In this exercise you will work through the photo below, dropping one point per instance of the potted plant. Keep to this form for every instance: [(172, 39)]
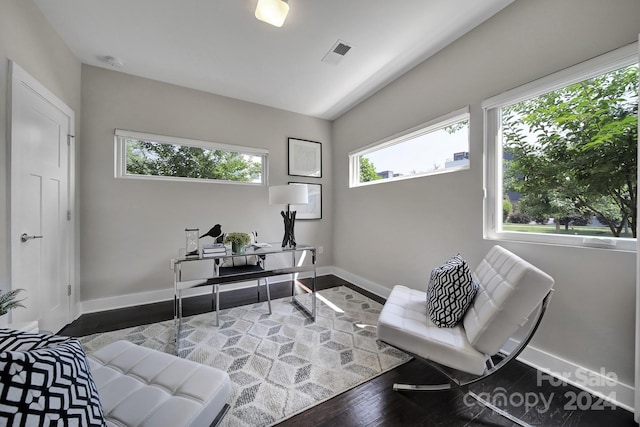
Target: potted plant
[(238, 242), (9, 301)]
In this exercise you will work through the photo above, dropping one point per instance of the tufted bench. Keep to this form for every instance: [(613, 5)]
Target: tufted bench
[(139, 386)]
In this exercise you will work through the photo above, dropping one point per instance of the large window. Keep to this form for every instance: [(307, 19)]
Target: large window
[(562, 156), (441, 145), (140, 155)]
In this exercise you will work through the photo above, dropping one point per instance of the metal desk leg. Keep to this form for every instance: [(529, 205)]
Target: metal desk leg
[(266, 283), (216, 289)]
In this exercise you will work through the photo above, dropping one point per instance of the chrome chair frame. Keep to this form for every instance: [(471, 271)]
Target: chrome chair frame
[(490, 370)]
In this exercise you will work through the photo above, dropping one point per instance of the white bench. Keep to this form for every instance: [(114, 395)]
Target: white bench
[(139, 386)]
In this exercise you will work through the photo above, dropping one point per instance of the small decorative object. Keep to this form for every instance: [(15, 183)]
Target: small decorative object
[(313, 209), (8, 302), (305, 158), (193, 242), (215, 232), (238, 242), (288, 194)]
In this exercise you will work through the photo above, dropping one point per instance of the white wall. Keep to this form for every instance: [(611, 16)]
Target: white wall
[(397, 232), (131, 228), (28, 39)]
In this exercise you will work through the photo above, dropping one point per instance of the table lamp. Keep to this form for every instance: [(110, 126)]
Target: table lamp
[(296, 194)]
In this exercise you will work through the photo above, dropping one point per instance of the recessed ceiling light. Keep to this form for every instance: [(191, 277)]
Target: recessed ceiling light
[(114, 62)]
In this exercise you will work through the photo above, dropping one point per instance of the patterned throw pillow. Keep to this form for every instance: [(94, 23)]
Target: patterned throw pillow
[(46, 382), (450, 293)]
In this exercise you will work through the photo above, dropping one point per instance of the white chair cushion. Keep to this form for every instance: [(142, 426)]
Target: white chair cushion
[(510, 290), (139, 386), (404, 323)]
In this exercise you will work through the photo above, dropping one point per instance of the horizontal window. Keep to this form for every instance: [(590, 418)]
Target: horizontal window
[(441, 145), (562, 156), (141, 155)]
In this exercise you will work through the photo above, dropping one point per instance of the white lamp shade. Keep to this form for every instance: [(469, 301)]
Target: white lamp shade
[(273, 12), (296, 194)]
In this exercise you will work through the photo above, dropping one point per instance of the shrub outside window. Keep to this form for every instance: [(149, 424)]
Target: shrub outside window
[(562, 160), (438, 146), (148, 156)]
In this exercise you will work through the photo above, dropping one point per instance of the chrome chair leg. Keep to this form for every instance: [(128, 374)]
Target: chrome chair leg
[(497, 410)]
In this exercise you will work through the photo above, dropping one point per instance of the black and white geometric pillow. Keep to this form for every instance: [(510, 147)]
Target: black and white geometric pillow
[(450, 292), (47, 386), (21, 341)]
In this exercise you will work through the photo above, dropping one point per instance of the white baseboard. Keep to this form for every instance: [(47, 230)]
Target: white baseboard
[(602, 384), (361, 282), (130, 300)]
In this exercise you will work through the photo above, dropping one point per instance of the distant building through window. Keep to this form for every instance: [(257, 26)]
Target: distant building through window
[(438, 146)]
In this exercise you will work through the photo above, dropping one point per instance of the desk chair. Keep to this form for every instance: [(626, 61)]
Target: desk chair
[(510, 290)]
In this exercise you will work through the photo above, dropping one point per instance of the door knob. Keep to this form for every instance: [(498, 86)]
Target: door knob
[(24, 237)]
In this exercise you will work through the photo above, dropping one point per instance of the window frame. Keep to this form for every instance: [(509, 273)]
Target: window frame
[(120, 166), (416, 131), (493, 176)]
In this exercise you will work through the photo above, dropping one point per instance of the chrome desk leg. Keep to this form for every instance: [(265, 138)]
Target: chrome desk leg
[(216, 289), (266, 283)]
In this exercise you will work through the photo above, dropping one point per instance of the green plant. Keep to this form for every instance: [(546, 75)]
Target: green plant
[(237, 238), (8, 301)]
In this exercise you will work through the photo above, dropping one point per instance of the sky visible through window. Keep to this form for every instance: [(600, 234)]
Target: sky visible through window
[(426, 153)]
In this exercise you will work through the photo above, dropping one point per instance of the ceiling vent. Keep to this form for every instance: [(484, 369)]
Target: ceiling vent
[(337, 52)]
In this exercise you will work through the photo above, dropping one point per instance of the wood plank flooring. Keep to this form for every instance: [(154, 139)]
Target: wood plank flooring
[(374, 403)]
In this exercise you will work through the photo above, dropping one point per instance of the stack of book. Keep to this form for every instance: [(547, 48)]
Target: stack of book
[(213, 250)]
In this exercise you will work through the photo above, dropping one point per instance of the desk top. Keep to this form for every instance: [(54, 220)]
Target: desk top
[(258, 250)]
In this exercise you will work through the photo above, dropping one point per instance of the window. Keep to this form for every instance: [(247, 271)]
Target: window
[(562, 159), (141, 155), (439, 146)]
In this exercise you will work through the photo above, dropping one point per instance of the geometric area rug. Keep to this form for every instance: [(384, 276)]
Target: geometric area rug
[(279, 364)]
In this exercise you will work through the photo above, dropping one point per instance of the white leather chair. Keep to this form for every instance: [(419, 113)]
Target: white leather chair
[(510, 291)]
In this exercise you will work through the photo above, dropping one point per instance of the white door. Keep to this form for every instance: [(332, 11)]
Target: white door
[(40, 195)]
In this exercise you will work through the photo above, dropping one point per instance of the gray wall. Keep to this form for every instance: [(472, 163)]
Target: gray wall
[(131, 228), (27, 39), (397, 232)]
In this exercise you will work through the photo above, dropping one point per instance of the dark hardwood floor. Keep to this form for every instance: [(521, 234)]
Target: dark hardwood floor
[(517, 388)]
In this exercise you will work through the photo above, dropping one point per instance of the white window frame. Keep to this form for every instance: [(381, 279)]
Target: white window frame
[(493, 192), (121, 136), (415, 132)]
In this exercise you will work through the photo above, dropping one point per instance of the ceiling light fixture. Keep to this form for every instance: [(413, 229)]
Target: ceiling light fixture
[(114, 61), (272, 12)]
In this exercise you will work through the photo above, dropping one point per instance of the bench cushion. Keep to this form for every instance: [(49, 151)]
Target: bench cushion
[(145, 387), (404, 323)]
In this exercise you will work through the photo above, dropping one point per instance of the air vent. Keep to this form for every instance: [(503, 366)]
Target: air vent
[(337, 52), (342, 49)]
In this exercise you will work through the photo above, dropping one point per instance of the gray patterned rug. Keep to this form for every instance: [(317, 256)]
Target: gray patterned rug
[(279, 364)]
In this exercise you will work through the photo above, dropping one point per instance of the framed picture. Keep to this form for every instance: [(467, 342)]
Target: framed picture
[(305, 158), (312, 210)]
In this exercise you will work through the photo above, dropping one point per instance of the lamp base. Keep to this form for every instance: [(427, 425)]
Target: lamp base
[(289, 239)]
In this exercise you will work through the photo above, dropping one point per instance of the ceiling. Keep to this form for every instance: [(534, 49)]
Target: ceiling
[(218, 46)]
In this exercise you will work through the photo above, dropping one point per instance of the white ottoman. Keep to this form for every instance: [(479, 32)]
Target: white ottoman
[(139, 386)]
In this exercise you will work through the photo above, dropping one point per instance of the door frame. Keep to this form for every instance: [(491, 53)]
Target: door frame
[(19, 74)]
